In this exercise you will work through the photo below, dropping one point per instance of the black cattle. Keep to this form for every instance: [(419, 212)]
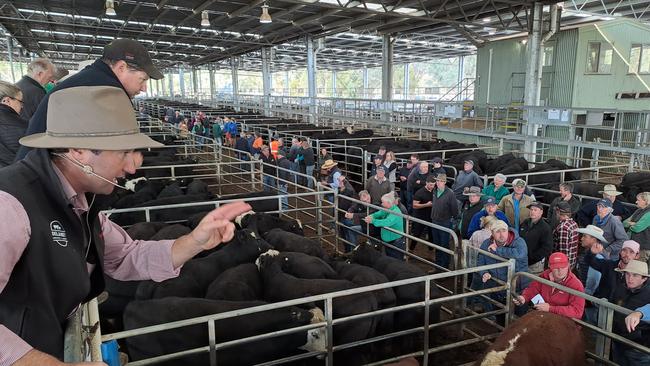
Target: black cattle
[(194, 220), (500, 162), (173, 189), (285, 241), (140, 314), (514, 166), (280, 286), (365, 276), (145, 191), (241, 283), (144, 230), (197, 187), (634, 183), (306, 266), (396, 270), (197, 274), (167, 214), (171, 232), (262, 223)]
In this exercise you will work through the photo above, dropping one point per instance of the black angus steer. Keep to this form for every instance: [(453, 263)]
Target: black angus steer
[(285, 241), (280, 286), (304, 265), (262, 223), (240, 283), (197, 274), (396, 270), (140, 314)]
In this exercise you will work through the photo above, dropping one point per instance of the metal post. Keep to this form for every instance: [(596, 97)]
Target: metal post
[(406, 81), (181, 80), (334, 91), (461, 72), (195, 82), (311, 79), (234, 65), (286, 82), (266, 79), (10, 51), (211, 77), (365, 82), (171, 85), (531, 81), (387, 68)]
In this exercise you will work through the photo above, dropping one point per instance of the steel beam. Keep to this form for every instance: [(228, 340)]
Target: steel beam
[(266, 79), (311, 78), (387, 68), (531, 81)]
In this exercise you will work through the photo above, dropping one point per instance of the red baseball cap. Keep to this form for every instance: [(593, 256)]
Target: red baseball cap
[(558, 260)]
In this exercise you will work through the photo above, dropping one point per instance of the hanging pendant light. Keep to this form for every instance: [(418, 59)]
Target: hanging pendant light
[(265, 17), (110, 8), (205, 20)]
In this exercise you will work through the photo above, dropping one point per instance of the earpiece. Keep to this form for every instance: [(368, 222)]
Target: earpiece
[(88, 170)]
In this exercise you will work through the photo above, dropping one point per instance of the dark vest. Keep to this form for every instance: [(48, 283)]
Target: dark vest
[(51, 278)]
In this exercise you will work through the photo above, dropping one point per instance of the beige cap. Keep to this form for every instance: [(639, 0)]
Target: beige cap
[(499, 225)]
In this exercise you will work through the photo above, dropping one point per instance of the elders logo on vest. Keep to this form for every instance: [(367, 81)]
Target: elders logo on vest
[(58, 233)]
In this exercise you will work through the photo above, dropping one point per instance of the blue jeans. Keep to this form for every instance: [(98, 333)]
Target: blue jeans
[(310, 173), (399, 243), (626, 356), (441, 238), (282, 188), (350, 233), (269, 183), (593, 280)]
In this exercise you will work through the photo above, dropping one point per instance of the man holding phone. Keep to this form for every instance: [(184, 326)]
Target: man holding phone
[(553, 300)]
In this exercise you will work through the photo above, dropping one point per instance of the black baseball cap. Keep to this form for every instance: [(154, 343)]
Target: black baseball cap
[(133, 53)]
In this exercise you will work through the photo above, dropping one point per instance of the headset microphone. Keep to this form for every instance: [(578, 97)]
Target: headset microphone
[(89, 170)]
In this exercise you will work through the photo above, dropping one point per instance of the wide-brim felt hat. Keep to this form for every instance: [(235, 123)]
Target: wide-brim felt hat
[(610, 190), (594, 231), (329, 163), (636, 267), (90, 117)]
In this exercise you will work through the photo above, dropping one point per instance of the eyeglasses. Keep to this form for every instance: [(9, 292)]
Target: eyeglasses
[(16, 99)]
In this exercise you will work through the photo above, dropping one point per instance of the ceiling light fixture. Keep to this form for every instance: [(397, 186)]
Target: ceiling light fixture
[(110, 8), (205, 20), (265, 17)]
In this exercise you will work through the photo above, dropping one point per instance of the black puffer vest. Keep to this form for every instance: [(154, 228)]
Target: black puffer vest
[(51, 277)]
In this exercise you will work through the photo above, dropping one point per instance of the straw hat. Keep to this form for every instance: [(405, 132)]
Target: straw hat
[(610, 190), (329, 163), (636, 267), (90, 117)]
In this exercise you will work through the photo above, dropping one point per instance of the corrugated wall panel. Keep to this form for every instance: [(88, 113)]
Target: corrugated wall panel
[(565, 64)]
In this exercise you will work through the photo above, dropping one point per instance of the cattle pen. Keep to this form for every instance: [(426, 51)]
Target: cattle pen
[(464, 327)]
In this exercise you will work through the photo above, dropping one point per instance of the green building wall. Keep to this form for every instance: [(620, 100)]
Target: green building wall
[(565, 83), (599, 90)]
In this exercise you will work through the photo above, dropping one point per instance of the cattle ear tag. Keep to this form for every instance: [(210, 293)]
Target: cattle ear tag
[(286, 259), (253, 235)]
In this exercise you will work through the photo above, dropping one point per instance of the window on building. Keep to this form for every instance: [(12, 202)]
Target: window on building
[(640, 59), (548, 56), (599, 58)]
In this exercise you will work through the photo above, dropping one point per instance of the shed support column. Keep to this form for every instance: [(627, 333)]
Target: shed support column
[(234, 65), (195, 83), (181, 80), (387, 68), (406, 81), (461, 72), (171, 84), (286, 90), (311, 79), (10, 52), (531, 80), (211, 77), (365, 82), (266, 79), (335, 92)]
